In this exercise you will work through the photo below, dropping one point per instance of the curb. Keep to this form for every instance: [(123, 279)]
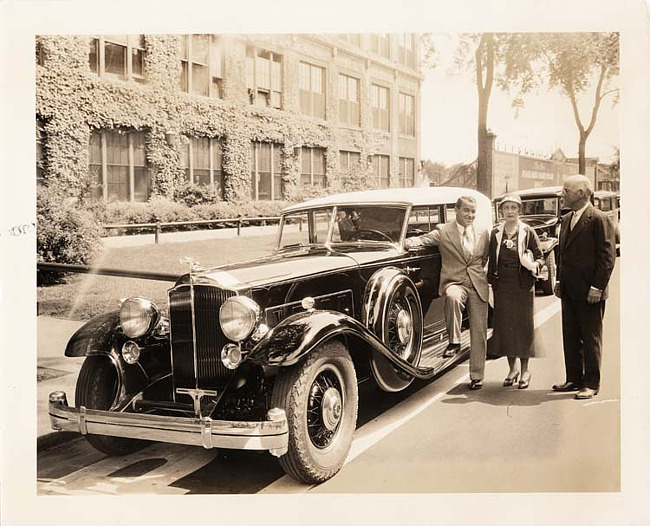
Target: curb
[(55, 438)]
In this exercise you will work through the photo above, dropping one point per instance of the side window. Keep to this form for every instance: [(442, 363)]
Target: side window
[(606, 204), (450, 212), (422, 219)]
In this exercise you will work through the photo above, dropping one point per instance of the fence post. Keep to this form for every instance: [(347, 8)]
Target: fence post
[(157, 234), (239, 227)]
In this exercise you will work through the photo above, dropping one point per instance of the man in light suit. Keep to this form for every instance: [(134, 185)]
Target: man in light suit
[(587, 254), (463, 281)]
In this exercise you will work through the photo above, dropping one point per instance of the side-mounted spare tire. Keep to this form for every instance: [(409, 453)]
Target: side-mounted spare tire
[(320, 398), (97, 386)]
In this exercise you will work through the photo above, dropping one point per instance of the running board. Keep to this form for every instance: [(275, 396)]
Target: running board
[(434, 348)]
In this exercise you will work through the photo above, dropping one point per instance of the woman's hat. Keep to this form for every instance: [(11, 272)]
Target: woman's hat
[(511, 198)]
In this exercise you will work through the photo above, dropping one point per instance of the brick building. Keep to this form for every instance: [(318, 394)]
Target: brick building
[(260, 117)]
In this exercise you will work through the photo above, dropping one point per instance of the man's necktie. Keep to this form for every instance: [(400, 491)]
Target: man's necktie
[(466, 243)]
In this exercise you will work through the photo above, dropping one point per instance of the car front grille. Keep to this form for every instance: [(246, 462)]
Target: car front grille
[(205, 368)]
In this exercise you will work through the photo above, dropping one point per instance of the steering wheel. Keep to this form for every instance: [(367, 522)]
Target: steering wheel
[(361, 234)]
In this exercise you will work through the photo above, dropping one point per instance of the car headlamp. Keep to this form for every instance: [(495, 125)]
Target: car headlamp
[(138, 316), (238, 317)]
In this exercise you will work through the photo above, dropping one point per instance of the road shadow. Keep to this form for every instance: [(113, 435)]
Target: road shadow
[(495, 394)]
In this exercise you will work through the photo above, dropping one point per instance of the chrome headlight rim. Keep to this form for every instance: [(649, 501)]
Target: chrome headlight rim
[(239, 328), (138, 317)]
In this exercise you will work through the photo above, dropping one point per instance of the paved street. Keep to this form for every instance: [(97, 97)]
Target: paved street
[(435, 437)]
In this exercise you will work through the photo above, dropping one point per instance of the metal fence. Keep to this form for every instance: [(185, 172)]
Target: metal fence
[(158, 226)]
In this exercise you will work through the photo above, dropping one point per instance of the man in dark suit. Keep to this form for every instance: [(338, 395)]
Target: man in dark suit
[(587, 253), (463, 282)]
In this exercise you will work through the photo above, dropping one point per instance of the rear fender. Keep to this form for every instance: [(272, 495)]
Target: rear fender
[(296, 336)]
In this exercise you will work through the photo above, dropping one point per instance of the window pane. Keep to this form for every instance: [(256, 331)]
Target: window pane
[(95, 148), (185, 157), (200, 79), (216, 57), (141, 184), (264, 157), (115, 60), (276, 83), (317, 79), (118, 183), (343, 87), (201, 154), (306, 161), (139, 149), (250, 72), (117, 149), (202, 177), (304, 76), (263, 73), (355, 157), (185, 47), (319, 161), (200, 48), (118, 39)]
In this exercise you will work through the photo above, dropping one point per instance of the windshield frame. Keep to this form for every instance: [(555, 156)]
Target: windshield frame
[(328, 244)]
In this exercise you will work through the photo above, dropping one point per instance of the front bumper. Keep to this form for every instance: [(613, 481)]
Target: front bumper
[(270, 435)]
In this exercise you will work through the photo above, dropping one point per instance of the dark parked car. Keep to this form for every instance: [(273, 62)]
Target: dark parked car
[(609, 203), (267, 354)]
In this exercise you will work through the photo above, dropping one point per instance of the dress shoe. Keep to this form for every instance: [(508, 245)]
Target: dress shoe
[(585, 393), (566, 387), (525, 380), (510, 380), (451, 350), (476, 384)]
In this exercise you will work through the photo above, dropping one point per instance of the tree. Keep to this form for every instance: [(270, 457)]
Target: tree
[(572, 62)]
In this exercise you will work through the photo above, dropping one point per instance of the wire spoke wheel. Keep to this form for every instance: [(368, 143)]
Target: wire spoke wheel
[(320, 397)]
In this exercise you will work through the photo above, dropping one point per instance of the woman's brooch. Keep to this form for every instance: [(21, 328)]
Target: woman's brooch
[(509, 243)]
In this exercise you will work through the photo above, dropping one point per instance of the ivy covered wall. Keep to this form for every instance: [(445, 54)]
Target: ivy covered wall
[(72, 101)]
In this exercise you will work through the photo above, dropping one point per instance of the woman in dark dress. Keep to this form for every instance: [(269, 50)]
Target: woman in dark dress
[(515, 261)]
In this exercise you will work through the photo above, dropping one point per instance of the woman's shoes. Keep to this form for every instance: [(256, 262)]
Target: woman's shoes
[(509, 381), (525, 382)]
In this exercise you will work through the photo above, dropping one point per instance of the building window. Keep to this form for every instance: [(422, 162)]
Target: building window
[(381, 168), (118, 163), (40, 158), (407, 114), (380, 44), (313, 167), (312, 90), (349, 113), (118, 56), (406, 172), (380, 101), (348, 160), (202, 65), (406, 45), (264, 78), (202, 162), (266, 171)]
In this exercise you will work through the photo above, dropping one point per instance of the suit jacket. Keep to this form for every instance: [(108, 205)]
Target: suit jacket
[(587, 254), (455, 261), (526, 240)]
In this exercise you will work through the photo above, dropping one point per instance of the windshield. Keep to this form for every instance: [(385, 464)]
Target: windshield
[(541, 206), (342, 224)]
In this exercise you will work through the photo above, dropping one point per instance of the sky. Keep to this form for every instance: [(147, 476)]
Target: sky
[(449, 117)]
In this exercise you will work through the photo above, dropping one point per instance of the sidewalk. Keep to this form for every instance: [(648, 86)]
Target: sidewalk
[(55, 372)]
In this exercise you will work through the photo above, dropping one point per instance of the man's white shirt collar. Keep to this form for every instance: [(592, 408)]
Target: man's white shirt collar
[(577, 214)]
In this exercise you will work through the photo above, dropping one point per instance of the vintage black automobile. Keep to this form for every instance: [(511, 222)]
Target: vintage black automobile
[(542, 209), (267, 354)]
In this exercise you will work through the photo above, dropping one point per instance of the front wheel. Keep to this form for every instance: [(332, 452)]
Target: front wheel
[(320, 398), (97, 389), (548, 285)]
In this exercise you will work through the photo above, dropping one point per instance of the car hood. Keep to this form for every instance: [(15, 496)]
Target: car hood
[(289, 265)]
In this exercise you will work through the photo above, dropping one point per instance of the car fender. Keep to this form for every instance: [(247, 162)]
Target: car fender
[(296, 336), (101, 337)]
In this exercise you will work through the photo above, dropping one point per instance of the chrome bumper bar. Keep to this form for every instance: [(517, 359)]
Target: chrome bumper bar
[(270, 435)]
